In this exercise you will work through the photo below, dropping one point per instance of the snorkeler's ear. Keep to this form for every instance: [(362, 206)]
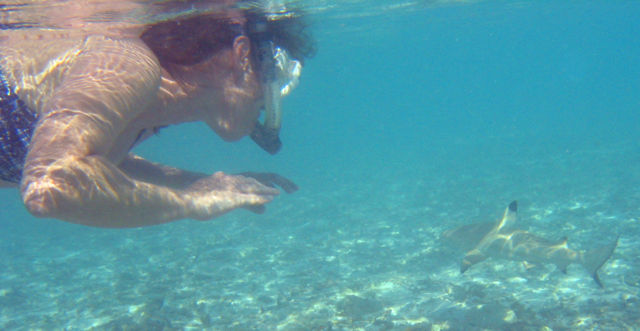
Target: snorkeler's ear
[(241, 49)]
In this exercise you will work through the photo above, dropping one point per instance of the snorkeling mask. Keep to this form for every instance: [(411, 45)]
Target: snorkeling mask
[(281, 74)]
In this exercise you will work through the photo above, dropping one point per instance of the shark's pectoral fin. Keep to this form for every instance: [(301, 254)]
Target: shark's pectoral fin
[(472, 257)]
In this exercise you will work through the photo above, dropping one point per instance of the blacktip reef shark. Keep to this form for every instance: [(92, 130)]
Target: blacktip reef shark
[(500, 240)]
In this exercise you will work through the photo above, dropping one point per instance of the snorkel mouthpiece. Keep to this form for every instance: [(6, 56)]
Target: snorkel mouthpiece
[(267, 138)]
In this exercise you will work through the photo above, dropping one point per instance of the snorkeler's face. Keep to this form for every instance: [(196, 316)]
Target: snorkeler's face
[(226, 90)]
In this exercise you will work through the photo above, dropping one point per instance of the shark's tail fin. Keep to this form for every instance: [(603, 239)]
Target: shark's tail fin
[(593, 259)]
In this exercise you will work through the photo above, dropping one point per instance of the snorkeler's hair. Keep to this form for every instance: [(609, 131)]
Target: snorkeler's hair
[(191, 40), (288, 31)]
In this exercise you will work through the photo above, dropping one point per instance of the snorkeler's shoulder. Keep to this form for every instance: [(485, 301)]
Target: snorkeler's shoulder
[(30, 62), (39, 47), (36, 67)]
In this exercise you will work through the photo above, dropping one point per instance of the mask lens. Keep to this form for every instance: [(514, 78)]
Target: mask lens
[(287, 71)]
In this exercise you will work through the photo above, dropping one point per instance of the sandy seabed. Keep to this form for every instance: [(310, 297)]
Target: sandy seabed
[(358, 252)]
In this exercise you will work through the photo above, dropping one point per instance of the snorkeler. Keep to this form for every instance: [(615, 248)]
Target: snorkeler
[(75, 101)]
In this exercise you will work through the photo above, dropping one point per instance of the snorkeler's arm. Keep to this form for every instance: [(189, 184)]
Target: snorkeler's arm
[(159, 174), (66, 174)]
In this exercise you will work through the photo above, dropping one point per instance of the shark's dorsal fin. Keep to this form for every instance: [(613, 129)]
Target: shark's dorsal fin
[(510, 216)]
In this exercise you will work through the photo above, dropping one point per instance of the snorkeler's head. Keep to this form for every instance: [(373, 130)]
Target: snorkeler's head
[(279, 44)]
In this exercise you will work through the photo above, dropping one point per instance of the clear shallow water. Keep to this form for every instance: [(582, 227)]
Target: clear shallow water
[(408, 122)]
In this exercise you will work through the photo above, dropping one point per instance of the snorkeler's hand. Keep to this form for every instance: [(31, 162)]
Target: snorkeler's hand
[(272, 179), (220, 193)]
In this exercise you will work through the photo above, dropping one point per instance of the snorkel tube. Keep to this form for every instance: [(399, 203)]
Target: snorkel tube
[(267, 134), (281, 75)]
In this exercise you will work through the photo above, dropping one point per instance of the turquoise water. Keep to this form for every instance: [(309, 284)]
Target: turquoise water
[(411, 120)]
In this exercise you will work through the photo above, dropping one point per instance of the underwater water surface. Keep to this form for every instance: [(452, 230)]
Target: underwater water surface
[(413, 118)]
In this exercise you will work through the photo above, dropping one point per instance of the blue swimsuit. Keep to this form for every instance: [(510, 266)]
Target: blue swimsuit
[(17, 123)]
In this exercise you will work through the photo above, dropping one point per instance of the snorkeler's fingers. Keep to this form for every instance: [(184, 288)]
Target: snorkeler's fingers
[(256, 187), (229, 183), (272, 179), (220, 193), (217, 203), (286, 184)]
